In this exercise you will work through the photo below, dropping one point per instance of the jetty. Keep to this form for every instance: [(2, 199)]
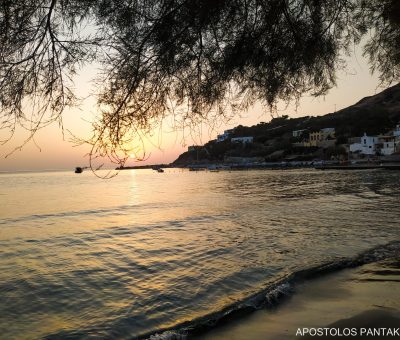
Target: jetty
[(349, 167), (359, 167), (391, 166)]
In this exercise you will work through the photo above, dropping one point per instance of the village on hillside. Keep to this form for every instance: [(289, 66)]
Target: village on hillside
[(313, 146), (368, 131)]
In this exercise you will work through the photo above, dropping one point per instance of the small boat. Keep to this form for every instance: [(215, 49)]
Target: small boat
[(160, 170), (197, 168), (218, 167), (78, 170)]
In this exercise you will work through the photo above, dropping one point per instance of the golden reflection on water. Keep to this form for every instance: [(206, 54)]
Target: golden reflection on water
[(147, 250)]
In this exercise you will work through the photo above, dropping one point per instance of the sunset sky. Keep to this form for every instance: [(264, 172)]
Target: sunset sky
[(51, 151)]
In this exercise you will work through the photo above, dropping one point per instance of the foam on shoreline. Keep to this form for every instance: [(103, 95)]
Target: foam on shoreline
[(305, 288), (358, 301)]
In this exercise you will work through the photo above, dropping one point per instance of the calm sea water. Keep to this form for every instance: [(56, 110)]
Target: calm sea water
[(82, 257)]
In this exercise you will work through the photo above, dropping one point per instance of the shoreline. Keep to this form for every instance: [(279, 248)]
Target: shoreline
[(351, 303), (309, 285), (271, 166)]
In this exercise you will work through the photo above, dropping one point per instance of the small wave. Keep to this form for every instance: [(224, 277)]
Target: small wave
[(66, 214), (276, 294), (168, 335), (273, 294)]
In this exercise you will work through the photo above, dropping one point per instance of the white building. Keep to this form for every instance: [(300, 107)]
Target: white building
[(367, 146), (225, 135), (329, 132), (298, 133), (387, 145), (378, 145), (396, 131), (243, 140), (394, 143)]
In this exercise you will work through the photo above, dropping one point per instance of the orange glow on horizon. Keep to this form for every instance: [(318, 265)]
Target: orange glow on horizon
[(166, 144)]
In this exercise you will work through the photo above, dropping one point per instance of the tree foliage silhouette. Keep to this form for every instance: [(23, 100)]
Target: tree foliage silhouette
[(188, 57)]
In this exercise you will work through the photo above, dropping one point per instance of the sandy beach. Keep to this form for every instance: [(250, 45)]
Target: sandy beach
[(354, 301)]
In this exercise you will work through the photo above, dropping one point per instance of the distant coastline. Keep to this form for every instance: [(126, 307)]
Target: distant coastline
[(321, 165), (368, 131)]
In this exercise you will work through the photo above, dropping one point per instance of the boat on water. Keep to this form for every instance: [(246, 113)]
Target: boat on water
[(195, 168), (218, 167)]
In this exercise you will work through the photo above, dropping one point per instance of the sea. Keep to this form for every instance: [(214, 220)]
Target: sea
[(167, 255)]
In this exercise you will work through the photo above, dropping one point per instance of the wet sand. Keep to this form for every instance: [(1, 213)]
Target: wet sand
[(364, 297)]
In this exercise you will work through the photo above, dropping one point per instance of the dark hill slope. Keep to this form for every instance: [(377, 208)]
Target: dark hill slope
[(374, 115)]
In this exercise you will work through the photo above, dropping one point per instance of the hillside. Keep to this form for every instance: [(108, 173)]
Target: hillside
[(373, 115), (273, 140)]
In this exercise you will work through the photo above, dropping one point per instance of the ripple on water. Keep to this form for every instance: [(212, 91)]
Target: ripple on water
[(132, 261)]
